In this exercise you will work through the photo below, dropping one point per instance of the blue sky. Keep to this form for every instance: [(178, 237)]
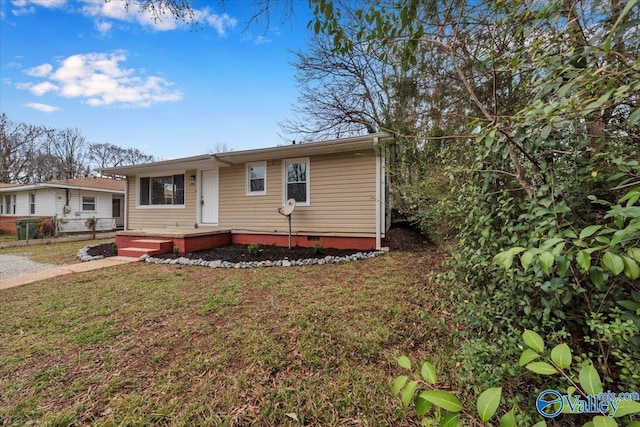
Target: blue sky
[(167, 88)]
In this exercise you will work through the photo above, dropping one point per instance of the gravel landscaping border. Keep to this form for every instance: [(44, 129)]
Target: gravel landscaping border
[(83, 253), (83, 256), (260, 264)]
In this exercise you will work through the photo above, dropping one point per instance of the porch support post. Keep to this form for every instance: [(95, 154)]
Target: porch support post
[(379, 203), (126, 203)]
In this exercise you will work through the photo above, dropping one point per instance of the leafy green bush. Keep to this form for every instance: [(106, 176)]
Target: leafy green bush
[(436, 406), (253, 249), (429, 206), (527, 265)]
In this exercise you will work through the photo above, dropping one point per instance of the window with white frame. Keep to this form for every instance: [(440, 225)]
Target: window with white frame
[(296, 176), (32, 203), (10, 204), (256, 179), (88, 203), (161, 190)]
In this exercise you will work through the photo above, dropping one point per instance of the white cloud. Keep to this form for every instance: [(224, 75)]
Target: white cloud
[(13, 64), (40, 71), (103, 26), (42, 107), (262, 40), (115, 10), (44, 3), (24, 11), (26, 7), (40, 89), (104, 11), (162, 21), (98, 79), (221, 23)]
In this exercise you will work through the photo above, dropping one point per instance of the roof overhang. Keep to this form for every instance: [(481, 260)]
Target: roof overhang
[(354, 144), (29, 187), (195, 162)]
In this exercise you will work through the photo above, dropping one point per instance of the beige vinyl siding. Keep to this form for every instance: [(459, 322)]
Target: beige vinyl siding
[(158, 217), (342, 198)]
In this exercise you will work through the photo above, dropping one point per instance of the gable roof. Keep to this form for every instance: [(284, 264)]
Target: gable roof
[(357, 143), (91, 182), (88, 183)]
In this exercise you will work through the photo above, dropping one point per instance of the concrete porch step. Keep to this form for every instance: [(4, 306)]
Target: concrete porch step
[(135, 252), (162, 245), (141, 247)]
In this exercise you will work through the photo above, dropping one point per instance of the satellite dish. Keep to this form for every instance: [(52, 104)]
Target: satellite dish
[(288, 208)]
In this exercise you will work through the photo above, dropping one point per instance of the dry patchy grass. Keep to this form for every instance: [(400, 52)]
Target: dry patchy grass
[(145, 344), (52, 252)]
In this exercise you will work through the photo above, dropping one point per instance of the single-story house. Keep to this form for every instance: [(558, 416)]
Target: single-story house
[(210, 200), (70, 201)]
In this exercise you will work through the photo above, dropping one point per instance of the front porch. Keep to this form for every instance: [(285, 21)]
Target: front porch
[(154, 241)]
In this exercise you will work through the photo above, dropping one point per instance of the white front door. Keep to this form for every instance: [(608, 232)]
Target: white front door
[(209, 196)]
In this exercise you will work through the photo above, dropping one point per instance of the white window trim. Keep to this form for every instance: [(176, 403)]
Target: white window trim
[(95, 203), (165, 173), (285, 177), (32, 203), (12, 204), (248, 179)]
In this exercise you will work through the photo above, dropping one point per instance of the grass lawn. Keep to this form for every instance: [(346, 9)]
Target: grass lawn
[(52, 252), (144, 344), (7, 238)]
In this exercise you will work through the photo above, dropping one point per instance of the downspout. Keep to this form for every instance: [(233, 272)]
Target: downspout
[(126, 203), (378, 195)]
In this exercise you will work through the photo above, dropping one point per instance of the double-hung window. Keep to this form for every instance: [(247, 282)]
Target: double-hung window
[(32, 203), (296, 185), (10, 204), (256, 179), (88, 203), (162, 190)]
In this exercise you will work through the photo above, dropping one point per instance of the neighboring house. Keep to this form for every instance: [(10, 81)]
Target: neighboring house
[(208, 200), (70, 201)]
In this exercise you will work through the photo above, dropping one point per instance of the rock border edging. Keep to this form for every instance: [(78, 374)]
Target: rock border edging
[(261, 264), (83, 256), (83, 253)]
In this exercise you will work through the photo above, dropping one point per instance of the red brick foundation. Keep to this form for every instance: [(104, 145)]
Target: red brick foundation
[(199, 243), (8, 225)]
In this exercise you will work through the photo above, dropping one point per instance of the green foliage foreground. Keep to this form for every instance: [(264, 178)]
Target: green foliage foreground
[(439, 407), (547, 189)]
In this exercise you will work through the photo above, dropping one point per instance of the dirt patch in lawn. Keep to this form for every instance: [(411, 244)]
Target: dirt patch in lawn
[(407, 239), (104, 249)]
